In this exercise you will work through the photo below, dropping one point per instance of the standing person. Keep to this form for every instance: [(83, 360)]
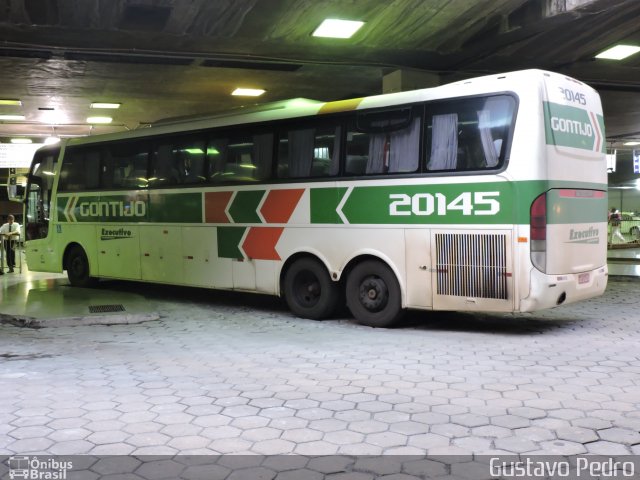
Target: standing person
[(614, 220), (10, 233)]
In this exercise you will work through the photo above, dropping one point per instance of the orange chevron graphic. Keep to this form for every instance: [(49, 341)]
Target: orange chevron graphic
[(215, 204), (280, 204), (260, 243)]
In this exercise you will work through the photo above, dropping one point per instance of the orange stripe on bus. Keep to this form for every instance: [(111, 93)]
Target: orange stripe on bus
[(280, 204), (215, 204), (340, 106)]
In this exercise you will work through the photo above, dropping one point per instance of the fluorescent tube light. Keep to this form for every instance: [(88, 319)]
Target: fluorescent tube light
[(105, 105), (21, 140), (99, 120), (13, 103), (619, 52), (248, 92), (335, 28), (12, 117), (631, 144)]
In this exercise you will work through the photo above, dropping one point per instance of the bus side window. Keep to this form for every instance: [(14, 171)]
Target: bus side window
[(384, 143), (245, 158), (125, 166), (164, 166), (469, 134), (190, 161), (80, 170), (309, 152)]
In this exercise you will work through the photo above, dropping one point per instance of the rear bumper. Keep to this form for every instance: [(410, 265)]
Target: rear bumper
[(548, 291)]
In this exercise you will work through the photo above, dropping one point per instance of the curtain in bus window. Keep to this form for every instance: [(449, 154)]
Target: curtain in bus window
[(301, 144), (262, 154), (335, 155), (488, 147), (378, 161), (444, 142), (404, 148)]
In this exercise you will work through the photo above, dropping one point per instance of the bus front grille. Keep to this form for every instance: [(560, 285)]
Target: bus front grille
[(471, 265)]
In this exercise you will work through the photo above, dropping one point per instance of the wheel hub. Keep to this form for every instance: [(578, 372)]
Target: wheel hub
[(374, 294)]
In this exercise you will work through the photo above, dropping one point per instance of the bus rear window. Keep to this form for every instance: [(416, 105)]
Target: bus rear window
[(469, 134)]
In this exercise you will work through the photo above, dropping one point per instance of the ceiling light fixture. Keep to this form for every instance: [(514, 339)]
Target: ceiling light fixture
[(619, 52), (105, 105), (13, 103), (248, 92), (20, 140), (631, 144), (335, 28), (12, 117), (99, 119)]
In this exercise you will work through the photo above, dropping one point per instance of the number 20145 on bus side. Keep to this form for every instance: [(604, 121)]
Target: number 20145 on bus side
[(469, 203)]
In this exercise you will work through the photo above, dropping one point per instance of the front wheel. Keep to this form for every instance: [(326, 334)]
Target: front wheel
[(309, 291), (78, 268), (373, 295)]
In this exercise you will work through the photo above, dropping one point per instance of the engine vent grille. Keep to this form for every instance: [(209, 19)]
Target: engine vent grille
[(471, 265)]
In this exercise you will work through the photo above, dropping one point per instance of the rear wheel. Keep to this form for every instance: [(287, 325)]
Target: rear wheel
[(373, 295), (78, 268), (309, 291)]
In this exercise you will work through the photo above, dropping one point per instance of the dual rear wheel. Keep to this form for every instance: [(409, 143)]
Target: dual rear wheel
[(371, 289)]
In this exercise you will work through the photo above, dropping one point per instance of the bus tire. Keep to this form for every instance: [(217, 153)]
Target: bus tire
[(373, 295), (309, 291), (78, 268)]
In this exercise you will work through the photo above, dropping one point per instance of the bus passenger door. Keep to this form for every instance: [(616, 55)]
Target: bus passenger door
[(118, 249), (202, 266), (418, 263), (161, 254)]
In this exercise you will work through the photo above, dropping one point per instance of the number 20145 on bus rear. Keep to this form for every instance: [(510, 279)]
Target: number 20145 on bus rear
[(487, 194)]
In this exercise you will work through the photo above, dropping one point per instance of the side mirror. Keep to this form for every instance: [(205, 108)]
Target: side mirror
[(16, 187)]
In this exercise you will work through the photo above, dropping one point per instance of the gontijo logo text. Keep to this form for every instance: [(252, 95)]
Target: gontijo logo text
[(570, 126), (100, 209)]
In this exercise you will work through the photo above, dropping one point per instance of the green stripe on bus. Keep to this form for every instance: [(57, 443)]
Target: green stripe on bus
[(244, 208), (175, 208), (135, 207), (462, 203), (324, 204), (229, 241)]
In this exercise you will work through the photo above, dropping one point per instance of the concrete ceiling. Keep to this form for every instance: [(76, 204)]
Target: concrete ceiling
[(170, 58)]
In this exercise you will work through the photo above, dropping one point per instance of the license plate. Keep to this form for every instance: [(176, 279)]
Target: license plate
[(583, 278)]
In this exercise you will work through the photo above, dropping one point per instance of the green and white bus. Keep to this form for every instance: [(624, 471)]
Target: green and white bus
[(488, 194)]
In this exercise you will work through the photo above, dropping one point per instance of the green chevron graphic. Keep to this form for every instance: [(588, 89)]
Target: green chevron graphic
[(244, 207)]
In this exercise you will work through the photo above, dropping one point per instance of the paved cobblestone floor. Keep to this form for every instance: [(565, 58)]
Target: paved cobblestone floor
[(226, 373)]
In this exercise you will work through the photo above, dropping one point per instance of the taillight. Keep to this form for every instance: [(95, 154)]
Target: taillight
[(538, 226)]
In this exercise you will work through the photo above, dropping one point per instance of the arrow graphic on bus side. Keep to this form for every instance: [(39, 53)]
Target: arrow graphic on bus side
[(69, 209), (597, 131)]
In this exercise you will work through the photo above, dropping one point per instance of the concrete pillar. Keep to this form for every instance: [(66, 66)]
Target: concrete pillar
[(403, 80)]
